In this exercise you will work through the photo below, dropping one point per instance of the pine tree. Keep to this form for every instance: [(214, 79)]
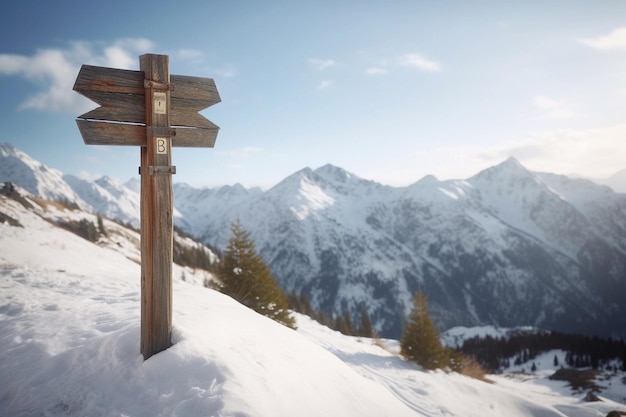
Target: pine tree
[(101, 228), (365, 329), (347, 318), (420, 339), (245, 277)]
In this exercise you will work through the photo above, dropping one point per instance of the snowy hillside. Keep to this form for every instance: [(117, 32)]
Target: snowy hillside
[(69, 332), (105, 196), (37, 178), (617, 181), (507, 247)]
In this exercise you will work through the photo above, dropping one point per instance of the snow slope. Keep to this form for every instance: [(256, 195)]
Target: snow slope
[(37, 178), (507, 247), (69, 338)]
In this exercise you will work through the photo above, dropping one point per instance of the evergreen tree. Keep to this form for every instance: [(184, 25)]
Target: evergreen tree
[(340, 325), (420, 339), (101, 228), (347, 318), (245, 277), (365, 329)]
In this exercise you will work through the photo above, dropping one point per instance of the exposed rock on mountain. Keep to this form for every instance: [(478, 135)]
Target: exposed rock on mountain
[(507, 247)]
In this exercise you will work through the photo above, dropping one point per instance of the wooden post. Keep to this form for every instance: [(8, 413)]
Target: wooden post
[(156, 209), (148, 109)]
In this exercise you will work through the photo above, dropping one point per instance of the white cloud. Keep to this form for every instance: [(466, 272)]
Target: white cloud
[(226, 71), (12, 64), (376, 71), (322, 64), (591, 153), (55, 71), (192, 55), (419, 62), (324, 84), (551, 108), (595, 153), (616, 39), (410, 60)]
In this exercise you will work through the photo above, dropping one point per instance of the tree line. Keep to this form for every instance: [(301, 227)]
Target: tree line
[(496, 353), (242, 274), (344, 323)]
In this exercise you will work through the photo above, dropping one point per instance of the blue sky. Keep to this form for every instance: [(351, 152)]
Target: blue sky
[(389, 90)]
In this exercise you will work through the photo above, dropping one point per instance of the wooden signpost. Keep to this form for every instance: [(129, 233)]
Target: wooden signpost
[(154, 110)]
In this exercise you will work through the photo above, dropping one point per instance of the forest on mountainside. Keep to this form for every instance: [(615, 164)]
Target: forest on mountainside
[(497, 353)]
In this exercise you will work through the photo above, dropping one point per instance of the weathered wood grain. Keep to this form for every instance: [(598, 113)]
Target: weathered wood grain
[(156, 221), (201, 90), (110, 80), (127, 116), (121, 96), (106, 133), (194, 137), (117, 107), (124, 134)]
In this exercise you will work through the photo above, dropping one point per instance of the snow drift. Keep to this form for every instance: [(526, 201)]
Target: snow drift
[(69, 332)]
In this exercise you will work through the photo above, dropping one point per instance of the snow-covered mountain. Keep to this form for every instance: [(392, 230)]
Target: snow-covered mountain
[(507, 247), (616, 181), (70, 330), (105, 196), (37, 178)]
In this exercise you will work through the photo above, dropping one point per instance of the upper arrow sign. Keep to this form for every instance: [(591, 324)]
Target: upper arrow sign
[(120, 119)]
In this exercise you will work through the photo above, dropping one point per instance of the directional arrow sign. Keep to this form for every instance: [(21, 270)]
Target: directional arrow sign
[(121, 119), (155, 111)]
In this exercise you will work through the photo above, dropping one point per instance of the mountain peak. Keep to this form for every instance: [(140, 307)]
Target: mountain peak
[(510, 166), (427, 180), (107, 181), (34, 176), (508, 170), (232, 191), (7, 149), (512, 162), (333, 172)]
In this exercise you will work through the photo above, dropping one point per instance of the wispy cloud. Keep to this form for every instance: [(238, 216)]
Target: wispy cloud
[(615, 40), (551, 108), (226, 71), (192, 55), (123, 53), (55, 70), (595, 153), (197, 59), (376, 71), (322, 64), (409, 60), (591, 153), (324, 84), (418, 61)]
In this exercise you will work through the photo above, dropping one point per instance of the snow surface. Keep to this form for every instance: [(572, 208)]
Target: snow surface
[(519, 230), (69, 338)]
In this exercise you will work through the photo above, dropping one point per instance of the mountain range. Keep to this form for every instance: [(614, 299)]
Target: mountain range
[(506, 247)]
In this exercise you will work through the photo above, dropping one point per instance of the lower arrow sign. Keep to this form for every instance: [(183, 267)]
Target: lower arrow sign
[(96, 132)]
